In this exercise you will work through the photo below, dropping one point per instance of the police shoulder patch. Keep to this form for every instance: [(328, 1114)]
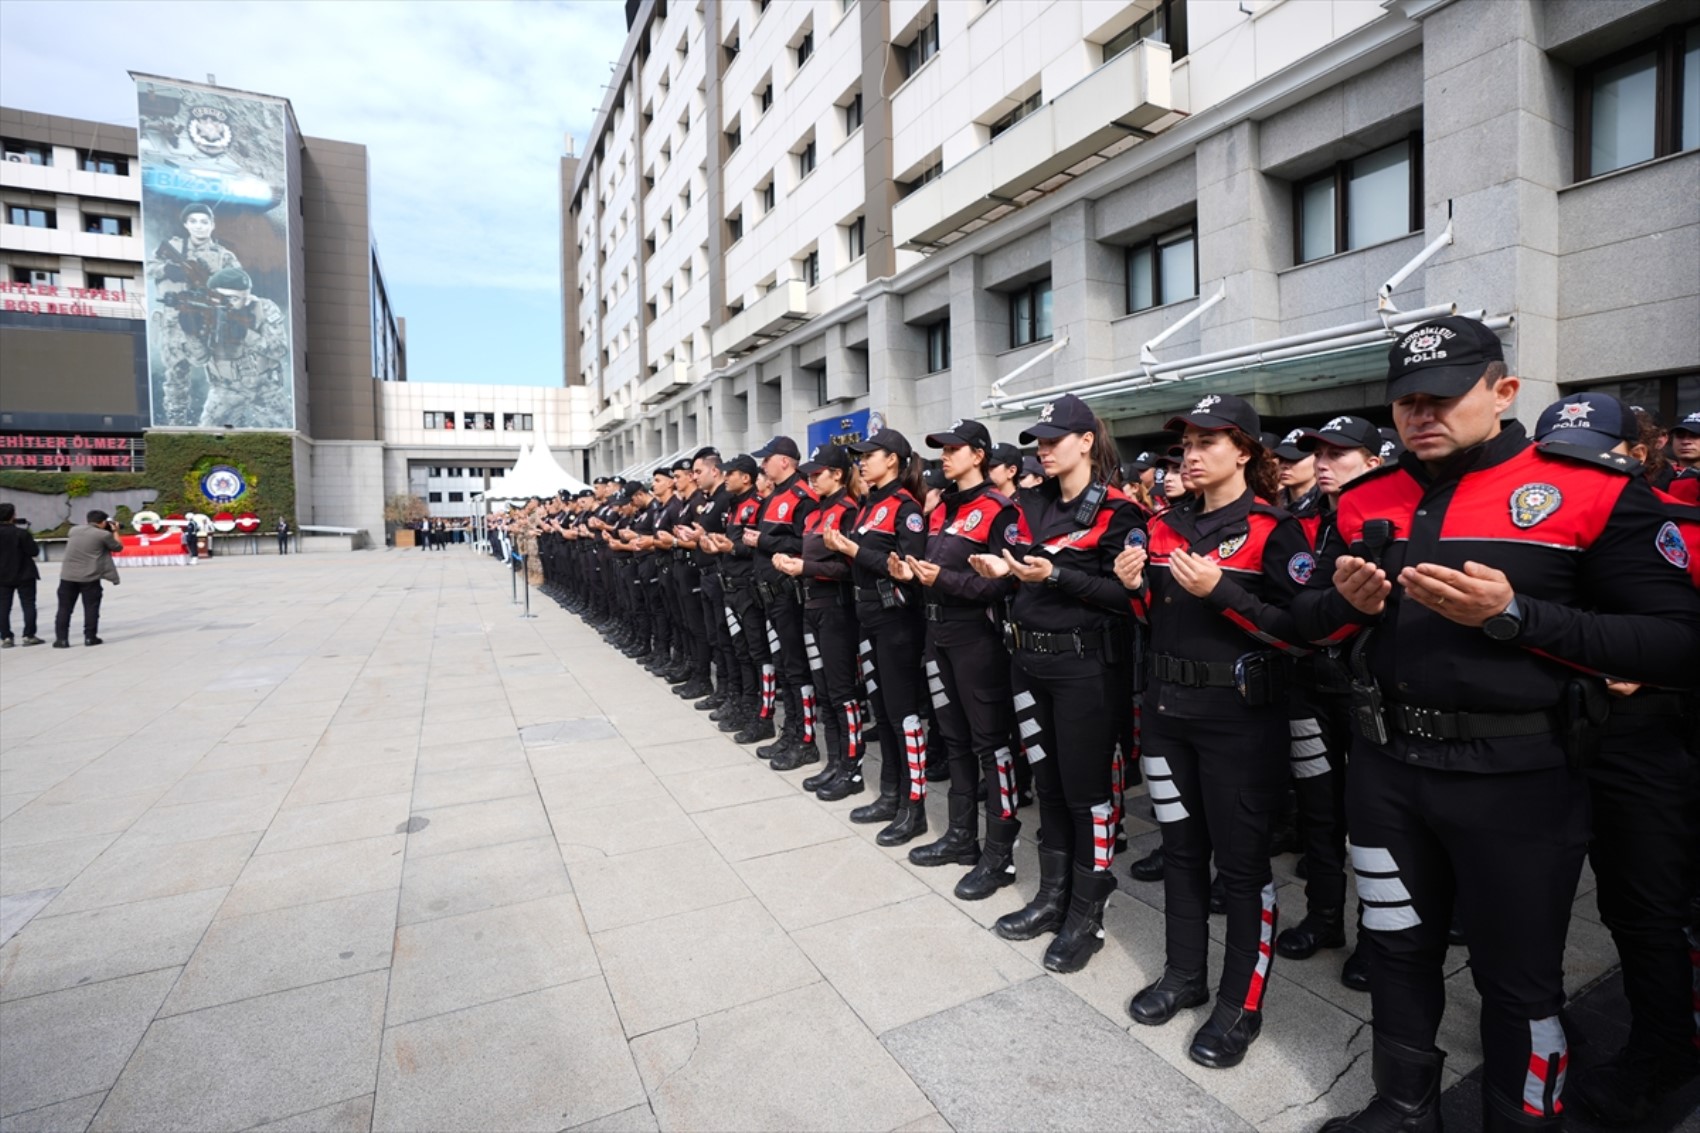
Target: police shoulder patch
[(915, 522), (1227, 547), (1012, 533), (1670, 544), (1300, 567), (1534, 502)]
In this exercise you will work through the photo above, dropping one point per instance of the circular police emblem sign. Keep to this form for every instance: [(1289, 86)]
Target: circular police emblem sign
[(914, 522), (209, 129), (971, 521), (1670, 545), (1300, 567), (222, 484), (1227, 547), (1534, 502)]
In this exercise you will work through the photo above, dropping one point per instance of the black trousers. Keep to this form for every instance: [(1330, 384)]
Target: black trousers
[(785, 639), (26, 601), (894, 643), (714, 629), (69, 592), (687, 583), (829, 637), (1645, 787), (1216, 787), (1320, 734), (1507, 850), (749, 642), (1069, 723), (968, 678)]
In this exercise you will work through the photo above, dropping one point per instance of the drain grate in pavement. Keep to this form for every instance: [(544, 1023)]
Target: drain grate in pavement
[(567, 731)]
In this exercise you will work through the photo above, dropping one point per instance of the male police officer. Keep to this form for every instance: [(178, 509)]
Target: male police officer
[(1488, 582), (779, 530)]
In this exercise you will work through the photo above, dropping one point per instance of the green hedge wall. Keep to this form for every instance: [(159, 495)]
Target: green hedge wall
[(176, 462)]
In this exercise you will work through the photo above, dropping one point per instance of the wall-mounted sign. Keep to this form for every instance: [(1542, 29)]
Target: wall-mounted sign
[(37, 452), (845, 430), (88, 302), (222, 484)]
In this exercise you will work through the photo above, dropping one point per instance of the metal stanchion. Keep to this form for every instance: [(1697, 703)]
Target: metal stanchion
[(528, 613), (513, 580)]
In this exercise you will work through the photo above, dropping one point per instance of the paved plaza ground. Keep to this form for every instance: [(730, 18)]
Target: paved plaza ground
[(342, 842)]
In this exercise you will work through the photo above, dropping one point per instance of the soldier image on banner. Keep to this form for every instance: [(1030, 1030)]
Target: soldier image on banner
[(179, 271), (242, 341)]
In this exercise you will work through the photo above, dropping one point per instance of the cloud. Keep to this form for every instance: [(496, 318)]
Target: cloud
[(463, 107)]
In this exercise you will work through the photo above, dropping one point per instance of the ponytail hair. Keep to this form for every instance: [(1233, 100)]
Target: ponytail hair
[(1262, 471), (1106, 458), (1648, 429), (909, 477)]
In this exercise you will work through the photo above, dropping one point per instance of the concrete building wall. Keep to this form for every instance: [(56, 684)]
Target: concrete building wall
[(337, 220)]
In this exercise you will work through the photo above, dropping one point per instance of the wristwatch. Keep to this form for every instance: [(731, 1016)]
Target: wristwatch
[(1505, 625), (1054, 579)]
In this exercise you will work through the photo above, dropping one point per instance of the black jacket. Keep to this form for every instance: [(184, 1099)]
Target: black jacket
[(18, 552)]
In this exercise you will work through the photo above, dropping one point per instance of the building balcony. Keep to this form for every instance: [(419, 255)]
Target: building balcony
[(1125, 98), (669, 380), (610, 417), (780, 310)]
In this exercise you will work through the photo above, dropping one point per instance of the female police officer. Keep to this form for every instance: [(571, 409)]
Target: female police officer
[(1215, 734), (889, 613), (967, 668), (1069, 630)]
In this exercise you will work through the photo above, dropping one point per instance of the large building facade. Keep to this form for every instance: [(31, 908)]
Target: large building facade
[(790, 215)]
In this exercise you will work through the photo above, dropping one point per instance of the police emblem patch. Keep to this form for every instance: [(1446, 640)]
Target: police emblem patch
[(1045, 413), (1574, 414), (914, 522), (971, 521), (1205, 404), (1136, 538), (1534, 502), (1227, 547), (879, 516), (1670, 545), (1300, 567), (1012, 533), (779, 512), (1335, 424)]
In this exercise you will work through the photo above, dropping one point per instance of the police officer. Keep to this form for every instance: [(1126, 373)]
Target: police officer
[(967, 665), (1070, 635), (1685, 449), (1211, 585), (1487, 581), (778, 530), (710, 520), (888, 611), (1645, 791), (752, 721)]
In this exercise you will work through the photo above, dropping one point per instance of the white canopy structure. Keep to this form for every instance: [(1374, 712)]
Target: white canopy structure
[(535, 473)]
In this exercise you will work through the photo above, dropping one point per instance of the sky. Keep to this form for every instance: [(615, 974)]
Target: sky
[(464, 109)]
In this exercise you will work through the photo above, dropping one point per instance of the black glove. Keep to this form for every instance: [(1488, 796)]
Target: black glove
[(175, 273)]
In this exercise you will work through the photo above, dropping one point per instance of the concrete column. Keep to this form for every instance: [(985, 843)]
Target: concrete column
[(1086, 293), (979, 332), (898, 355), (1236, 214), (1497, 142)]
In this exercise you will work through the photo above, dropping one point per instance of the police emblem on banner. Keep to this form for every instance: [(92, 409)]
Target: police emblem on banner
[(222, 484), (1227, 547), (209, 129), (914, 522), (1300, 567), (1534, 502), (1670, 545)]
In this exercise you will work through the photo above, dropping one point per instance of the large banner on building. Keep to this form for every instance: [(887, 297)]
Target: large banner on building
[(215, 231)]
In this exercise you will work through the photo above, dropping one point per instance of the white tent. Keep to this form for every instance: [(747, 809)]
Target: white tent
[(535, 473)]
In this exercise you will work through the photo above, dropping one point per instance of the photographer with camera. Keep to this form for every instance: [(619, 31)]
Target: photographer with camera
[(88, 562)]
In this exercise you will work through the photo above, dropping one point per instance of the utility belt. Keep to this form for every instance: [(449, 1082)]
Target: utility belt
[(1110, 647), (884, 593), (1325, 673), (776, 591), (820, 593), (1260, 678), (1650, 704), (939, 612)]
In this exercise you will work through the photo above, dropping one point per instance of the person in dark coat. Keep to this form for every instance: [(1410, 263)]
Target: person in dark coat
[(18, 575)]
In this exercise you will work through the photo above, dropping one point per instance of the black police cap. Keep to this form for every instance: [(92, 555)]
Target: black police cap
[(826, 456), (1067, 414), (963, 431), (1344, 431), (1217, 411), (890, 440), (779, 446), (1441, 358)]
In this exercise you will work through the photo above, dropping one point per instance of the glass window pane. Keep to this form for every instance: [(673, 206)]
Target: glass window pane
[(1623, 119), (1139, 295), (1691, 90), (1042, 316), (1316, 221), (1021, 306), (1378, 197), (1175, 269)]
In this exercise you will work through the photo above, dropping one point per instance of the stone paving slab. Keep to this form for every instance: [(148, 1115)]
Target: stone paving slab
[(380, 854)]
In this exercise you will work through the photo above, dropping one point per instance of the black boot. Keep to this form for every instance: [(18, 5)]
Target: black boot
[(1407, 1093), (1354, 973), (882, 809), (1321, 928), (909, 824), (1148, 868), (790, 732), (996, 867), (697, 686), (847, 782), (1628, 1087), (1049, 907), (833, 742), (959, 846), (756, 729), (1502, 1115), (801, 753), (1163, 1000), (1225, 1037), (1083, 931)]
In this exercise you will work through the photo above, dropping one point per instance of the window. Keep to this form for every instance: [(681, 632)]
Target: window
[(685, 200), (806, 160), (516, 422), (1162, 270), (1028, 105), (1165, 24), (1639, 104), (31, 217), (923, 47), (1030, 314), (853, 114), (433, 420), (766, 98), (434, 497), (457, 497), (805, 48), (1357, 203), (856, 238), (107, 225), (731, 46), (734, 138), (811, 268), (769, 196), (931, 173), (938, 347), (93, 161), (27, 153), (455, 473), (35, 277), (123, 284)]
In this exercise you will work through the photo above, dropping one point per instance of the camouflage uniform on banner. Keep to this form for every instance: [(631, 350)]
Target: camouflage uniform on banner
[(180, 269), (244, 344)]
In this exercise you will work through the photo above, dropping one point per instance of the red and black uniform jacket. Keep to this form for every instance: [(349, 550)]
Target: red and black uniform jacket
[(826, 574), (780, 523), (1584, 547), (741, 512), (1084, 593), (1263, 553), (964, 524), (889, 520), (1686, 486)]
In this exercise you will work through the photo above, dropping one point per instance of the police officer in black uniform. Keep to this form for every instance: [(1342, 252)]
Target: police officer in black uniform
[(778, 530), (752, 721), (1488, 582)]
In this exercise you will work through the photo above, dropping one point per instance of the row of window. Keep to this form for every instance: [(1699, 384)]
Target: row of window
[(455, 472), (445, 420), (1639, 104), (437, 497), (28, 216), (88, 160), (94, 281)]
